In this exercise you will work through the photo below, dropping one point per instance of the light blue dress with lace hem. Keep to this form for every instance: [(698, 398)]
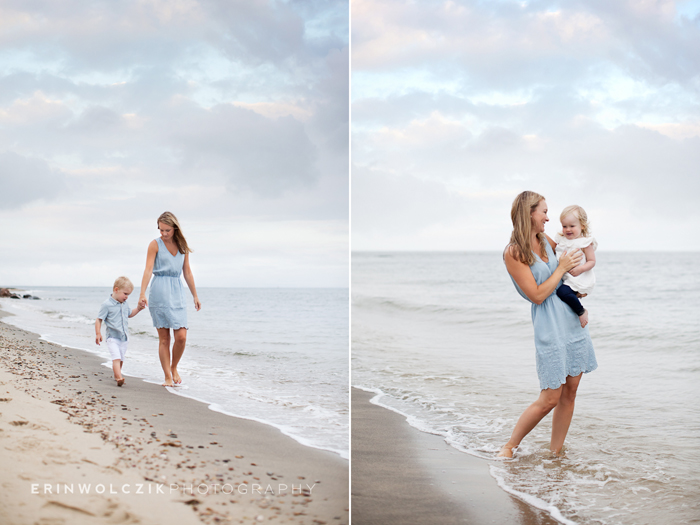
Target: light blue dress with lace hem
[(562, 347), (166, 300)]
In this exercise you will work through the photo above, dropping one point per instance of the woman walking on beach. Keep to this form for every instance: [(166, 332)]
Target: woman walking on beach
[(167, 258), (564, 351)]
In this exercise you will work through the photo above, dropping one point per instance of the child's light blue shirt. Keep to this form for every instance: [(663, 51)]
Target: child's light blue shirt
[(116, 318)]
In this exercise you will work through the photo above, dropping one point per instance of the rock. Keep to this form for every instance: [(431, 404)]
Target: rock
[(6, 292)]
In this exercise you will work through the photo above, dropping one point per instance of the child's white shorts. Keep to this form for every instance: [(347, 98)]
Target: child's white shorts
[(117, 348)]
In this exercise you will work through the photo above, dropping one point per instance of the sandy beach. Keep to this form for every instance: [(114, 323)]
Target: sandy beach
[(78, 449), (404, 476)]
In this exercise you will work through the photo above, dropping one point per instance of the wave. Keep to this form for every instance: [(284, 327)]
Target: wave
[(388, 304)]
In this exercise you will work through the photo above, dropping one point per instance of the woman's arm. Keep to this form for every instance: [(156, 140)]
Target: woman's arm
[(523, 276), (148, 272), (589, 252), (189, 279)]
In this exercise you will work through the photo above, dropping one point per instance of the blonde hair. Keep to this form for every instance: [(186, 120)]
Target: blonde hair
[(122, 283), (521, 215), (179, 239), (580, 214)]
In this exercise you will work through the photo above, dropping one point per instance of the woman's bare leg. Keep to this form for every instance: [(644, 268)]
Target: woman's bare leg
[(178, 350), (164, 354), (564, 411), (528, 420)]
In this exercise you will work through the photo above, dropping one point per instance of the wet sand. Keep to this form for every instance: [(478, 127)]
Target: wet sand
[(65, 422), (404, 476)]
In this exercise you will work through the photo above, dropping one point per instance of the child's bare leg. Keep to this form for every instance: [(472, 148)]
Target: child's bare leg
[(583, 318), (117, 368), (164, 354), (178, 350)]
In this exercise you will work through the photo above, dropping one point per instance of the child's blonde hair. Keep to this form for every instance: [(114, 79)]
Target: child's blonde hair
[(122, 283), (580, 214)]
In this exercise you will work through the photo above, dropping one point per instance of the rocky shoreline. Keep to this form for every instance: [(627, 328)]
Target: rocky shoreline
[(12, 293)]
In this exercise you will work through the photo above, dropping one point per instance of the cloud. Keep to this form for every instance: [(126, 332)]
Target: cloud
[(585, 101), (242, 93), (24, 180), (401, 203), (227, 113), (268, 156), (501, 45)]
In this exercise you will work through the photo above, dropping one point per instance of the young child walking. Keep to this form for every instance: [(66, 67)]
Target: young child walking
[(116, 314), (576, 235)]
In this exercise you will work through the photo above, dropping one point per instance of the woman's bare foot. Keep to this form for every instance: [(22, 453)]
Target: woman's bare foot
[(583, 318), (176, 377), (120, 381), (506, 452), (559, 453)]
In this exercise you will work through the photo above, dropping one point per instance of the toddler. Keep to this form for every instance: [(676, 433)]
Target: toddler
[(576, 235), (116, 313)]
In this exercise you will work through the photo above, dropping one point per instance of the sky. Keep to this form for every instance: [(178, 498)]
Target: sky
[(458, 106), (233, 115)]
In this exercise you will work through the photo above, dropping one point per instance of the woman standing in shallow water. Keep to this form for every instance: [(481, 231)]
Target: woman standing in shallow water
[(564, 350), (167, 258)]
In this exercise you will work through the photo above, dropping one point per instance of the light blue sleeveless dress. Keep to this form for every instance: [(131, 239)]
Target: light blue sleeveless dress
[(563, 348), (166, 300)]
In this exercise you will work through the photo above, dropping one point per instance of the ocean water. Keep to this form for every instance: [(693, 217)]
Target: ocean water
[(278, 356), (445, 339)]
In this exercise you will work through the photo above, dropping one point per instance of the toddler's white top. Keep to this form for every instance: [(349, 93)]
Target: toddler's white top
[(585, 282)]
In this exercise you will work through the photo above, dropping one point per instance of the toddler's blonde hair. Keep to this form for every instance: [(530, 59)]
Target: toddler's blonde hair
[(123, 283), (580, 214)]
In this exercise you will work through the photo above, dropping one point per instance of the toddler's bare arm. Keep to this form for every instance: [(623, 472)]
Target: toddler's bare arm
[(589, 252), (136, 310), (98, 331)]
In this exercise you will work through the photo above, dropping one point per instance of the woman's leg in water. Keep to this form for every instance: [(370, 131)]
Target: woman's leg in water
[(564, 411), (533, 414)]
